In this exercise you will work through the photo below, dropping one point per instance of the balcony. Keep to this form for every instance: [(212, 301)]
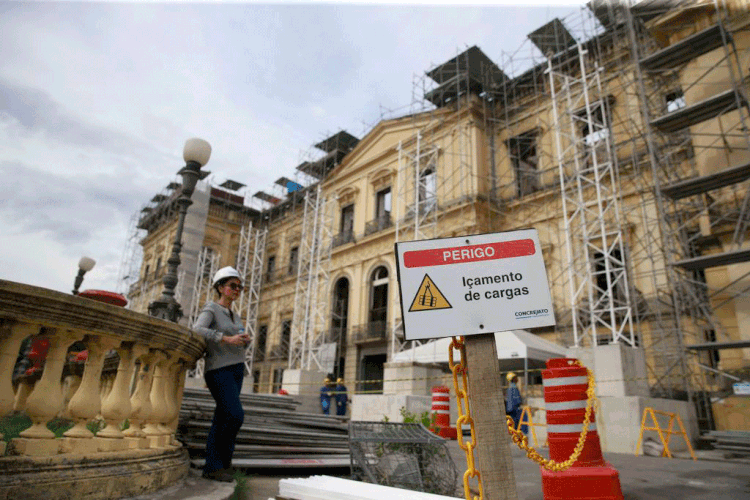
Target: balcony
[(373, 331), (343, 238), (378, 224), (108, 459)]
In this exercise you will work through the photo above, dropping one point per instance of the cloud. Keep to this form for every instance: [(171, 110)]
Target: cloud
[(97, 99)]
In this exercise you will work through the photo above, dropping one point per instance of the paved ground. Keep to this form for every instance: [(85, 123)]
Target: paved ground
[(641, 478)]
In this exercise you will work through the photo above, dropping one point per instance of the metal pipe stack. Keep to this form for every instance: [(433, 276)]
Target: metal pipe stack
[(274, 434)]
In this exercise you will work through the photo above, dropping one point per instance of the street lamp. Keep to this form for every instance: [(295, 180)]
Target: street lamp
[(85, 265), (196, 154)]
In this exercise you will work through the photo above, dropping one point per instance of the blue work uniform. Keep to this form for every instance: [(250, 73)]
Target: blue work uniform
[(341, 399), (325, 399), (513, 404)]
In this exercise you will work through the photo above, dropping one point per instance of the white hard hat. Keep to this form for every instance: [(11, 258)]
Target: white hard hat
[(224, 273)]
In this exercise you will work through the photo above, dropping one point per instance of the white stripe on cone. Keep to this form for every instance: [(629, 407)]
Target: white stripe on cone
[(566, 405), (556, 382), (568, 428)]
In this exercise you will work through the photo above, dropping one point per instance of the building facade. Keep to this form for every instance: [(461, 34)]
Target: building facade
[(622, 137)]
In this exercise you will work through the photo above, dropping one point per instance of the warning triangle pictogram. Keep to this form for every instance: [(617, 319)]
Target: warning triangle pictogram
[(429, 298)]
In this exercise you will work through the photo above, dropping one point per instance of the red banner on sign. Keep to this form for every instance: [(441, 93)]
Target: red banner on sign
[(473, 253)]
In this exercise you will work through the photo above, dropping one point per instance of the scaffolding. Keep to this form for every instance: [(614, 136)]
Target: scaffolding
[(435, 178), (208, 264), (250, 257), (309, 336), (598, 289), (132, 257)]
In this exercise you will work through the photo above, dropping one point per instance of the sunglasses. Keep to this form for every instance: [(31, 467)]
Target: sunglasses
[(236, 286)]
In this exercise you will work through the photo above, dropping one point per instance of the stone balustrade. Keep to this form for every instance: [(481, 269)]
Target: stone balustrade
[(152, 357)]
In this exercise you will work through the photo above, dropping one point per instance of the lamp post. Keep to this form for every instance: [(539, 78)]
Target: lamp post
[(85, 265), (196, 154)]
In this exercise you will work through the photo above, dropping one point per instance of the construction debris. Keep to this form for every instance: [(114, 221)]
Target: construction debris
[(404, 455), (274, 434), (735, 441)]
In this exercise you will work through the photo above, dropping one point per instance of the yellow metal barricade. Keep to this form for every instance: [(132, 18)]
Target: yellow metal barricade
[(673, 417), (527, 413)]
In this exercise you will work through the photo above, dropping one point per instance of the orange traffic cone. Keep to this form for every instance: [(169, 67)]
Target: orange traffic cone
[(441, 410), (590, 477)]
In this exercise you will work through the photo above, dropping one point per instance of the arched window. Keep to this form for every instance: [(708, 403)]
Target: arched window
[(340, 313), (339, 323), (378, 302)]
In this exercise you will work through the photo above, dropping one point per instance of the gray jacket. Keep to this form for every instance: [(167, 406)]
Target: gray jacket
[(214, 322)]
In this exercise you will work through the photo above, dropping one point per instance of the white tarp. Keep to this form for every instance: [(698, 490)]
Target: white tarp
[(514, 344)]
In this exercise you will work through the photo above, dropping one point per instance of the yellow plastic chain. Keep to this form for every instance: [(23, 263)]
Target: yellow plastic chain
[(522, 441), (464, 415)]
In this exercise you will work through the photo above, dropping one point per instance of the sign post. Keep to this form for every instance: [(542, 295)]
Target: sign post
[(475, 286)]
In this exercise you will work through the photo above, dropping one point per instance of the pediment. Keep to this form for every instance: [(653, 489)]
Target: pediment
[(380, 145)]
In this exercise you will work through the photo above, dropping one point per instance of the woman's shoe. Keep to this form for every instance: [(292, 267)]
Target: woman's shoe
[(219, 475)]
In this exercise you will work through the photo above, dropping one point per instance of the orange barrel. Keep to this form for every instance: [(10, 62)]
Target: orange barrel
[(565, 387), (441, 406)]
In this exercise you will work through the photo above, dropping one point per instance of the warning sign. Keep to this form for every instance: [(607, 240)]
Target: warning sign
[(428, 297), (487, 283)]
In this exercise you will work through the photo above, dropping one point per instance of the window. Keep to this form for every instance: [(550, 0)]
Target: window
[(256, 380), (616, 268), (597, 129), (711, 357), (260, 343), (340, 313), (286, 334), (270, 267), (428, 185), (346, 226), (145, 274), (293, 260), (158, 268), (347, 219), (523, 155), (675, 100), (383, 204), (378, 303), (382, 218), (278, 376)]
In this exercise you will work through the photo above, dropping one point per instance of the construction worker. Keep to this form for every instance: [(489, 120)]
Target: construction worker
[(513, 402), (325, 396), (340, 397)]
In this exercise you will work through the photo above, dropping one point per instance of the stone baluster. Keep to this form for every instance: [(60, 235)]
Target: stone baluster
[(69, 387), (140, 402), (45, 401), (171, 396), (11, 337), (158, 406), (117, 406), (86, 402)]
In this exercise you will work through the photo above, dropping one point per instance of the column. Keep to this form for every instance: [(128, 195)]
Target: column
[(86, 402), (171, 393), (116, 407), (158, 406), (45, 401), (141, 403), (11, 337)]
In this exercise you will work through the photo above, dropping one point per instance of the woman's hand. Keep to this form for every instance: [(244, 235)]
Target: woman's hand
[(239, 339)]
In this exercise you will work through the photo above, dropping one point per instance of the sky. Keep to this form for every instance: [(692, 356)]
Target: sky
[(97, 100)]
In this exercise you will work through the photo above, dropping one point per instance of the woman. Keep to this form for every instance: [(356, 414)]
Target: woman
[(224, 371)]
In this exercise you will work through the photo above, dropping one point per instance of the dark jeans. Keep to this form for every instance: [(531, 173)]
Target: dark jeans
[(225, 385)]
